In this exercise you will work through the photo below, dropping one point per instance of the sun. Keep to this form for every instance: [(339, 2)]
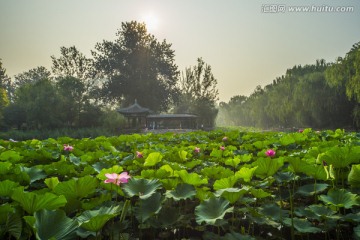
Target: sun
[(151, 21)]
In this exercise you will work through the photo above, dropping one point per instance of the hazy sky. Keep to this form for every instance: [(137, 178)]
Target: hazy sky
[(247, 43)]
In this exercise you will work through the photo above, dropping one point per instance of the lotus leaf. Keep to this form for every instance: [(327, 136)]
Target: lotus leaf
[(54, 225), (211, 210), (148, 207), (182, 191), (340, 198), (32, 202), (141, 187), (94, 220), (153, 159)]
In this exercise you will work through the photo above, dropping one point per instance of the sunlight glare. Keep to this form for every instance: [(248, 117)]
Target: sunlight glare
[(151, 21)]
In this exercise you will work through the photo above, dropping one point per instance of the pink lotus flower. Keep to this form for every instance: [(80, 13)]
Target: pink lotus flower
[(222, 148), (270, 153), (225, 139), (117, 178), (68, 148), (139, 154), (196, 150)]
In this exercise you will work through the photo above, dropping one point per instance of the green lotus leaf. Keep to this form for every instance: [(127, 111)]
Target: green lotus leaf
[(10, 156), (316, 171), (259, 193), (94, 220), (168, 216), (340, 198), (246, 173), (354, 176), (297, 165), (274, 212), (7, 187), (267, 167), (14, 225), (5, 210), (217, 172), (223, 183), (32, 202), (235, 236), (34, 173), (340, 157), (302, 225), (77, 188), (168, 168), (5, 167), (182, 155), (170, 183), (203, 193), (233, 162), (312, 189), (192, 164), (191, 178), (287, 140), (352, 217), (148, 207), (98, 166), (143, 188), (182, 191), (51, 182), (231, 194), (211, 210), (321, 211), (357, 232), (152, 159), (75, 160), (54, 225)]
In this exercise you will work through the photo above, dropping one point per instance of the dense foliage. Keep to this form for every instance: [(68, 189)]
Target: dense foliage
[(199, 185), (320, 95), (81, 92)]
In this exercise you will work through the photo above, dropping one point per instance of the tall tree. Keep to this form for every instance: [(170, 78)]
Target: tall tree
[(137, 66), (199, 93), (5, 82), (345, 72), (32, 76)]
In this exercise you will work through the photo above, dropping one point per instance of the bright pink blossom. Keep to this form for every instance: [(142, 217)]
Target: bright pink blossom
[(301, 130), (68, 148), (139, 154), (117, 178), (225, 139), (270, 153), (222, 148), (196, 150)]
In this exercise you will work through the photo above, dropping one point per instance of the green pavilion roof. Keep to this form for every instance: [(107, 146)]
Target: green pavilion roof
[(134, 109)]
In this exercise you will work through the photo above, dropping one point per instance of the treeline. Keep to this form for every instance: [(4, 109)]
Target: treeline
[(321, 95), (83, 92)]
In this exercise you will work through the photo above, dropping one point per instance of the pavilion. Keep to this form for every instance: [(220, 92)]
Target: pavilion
[(140, 117)]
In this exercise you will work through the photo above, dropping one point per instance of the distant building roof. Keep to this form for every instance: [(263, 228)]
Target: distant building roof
[(171, 116), (134, 109)]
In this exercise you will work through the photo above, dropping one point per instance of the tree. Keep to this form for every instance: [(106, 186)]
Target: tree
[(345, 72), (32, 76), (199, 93), (71, 91), (40, 104), (5, 82), (137, 66)]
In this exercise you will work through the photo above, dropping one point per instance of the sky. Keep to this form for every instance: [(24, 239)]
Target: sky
[(246, 42)]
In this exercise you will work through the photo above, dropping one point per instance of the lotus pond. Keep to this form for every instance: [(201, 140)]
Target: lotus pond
[(198, 185)]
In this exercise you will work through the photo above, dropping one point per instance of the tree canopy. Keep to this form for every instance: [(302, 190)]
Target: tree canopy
[(137, 66)]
